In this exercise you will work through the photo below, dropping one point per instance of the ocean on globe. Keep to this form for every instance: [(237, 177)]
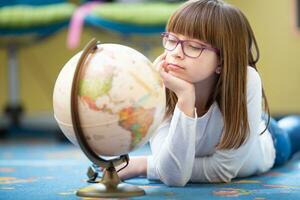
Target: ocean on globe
[(121, 99)]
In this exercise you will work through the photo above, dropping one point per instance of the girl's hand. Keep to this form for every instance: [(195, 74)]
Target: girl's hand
[(137, 166), (177, 85), (184, 90), (159, 62)]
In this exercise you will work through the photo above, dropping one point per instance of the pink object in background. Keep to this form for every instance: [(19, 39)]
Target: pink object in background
[(76, 24)]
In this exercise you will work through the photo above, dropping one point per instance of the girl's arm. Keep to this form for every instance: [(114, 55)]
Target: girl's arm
[(173, 147), (173, 150), (224, 165)]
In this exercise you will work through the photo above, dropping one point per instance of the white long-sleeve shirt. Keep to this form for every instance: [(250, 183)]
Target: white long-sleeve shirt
[(184, 148)]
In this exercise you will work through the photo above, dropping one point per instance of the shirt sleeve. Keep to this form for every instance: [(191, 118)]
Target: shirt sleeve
[(224, 165), (173, 150)]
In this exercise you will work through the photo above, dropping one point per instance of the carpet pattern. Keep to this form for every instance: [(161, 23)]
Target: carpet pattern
[(55, 171)]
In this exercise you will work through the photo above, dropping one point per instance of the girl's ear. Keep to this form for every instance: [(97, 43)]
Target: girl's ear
[(218, 70)]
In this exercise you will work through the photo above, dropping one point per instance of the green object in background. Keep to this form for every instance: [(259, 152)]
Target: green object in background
[(24, 16), (146, 14)]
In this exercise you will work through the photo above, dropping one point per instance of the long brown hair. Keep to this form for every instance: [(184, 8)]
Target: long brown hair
[(224, 27)]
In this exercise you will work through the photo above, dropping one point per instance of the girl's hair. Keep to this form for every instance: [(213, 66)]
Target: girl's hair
[(224, 27)]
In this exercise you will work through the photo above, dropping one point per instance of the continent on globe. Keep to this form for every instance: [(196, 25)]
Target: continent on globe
[(137, 121)]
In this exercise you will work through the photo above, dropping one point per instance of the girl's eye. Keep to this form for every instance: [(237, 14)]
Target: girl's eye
[(195, 47), (172, 40)]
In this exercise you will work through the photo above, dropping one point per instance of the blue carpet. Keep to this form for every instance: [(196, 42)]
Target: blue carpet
[(56, 171)]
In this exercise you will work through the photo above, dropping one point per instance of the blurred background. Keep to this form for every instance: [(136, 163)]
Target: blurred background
[(36, 41)]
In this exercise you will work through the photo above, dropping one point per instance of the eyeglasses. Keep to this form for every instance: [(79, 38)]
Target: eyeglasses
[(190, 48)]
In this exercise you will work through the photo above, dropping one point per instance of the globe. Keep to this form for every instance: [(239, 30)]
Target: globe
[(121, 99)]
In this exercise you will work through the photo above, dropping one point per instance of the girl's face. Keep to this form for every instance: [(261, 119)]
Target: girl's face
[(191, 60)]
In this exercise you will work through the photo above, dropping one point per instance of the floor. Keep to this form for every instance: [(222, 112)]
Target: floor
[(51, 170)]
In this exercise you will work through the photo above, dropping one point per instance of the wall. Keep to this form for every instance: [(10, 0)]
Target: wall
[(279, 42)]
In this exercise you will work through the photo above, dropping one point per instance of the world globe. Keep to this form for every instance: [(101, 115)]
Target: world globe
[(121, 99), (108, 99)]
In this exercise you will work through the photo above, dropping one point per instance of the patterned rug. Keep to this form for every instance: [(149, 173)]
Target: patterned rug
[(43, 170)]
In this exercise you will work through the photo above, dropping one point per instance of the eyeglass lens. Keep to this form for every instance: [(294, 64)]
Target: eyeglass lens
[(190, 48)]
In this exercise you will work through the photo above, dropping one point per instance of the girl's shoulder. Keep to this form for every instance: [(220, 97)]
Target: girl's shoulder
[(253, 77)]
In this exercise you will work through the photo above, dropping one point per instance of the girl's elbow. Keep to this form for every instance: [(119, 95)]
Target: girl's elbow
[(220, 177), (174, 175), (175, 181), (226, 178)]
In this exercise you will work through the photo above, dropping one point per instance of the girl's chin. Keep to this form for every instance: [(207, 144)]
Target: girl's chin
[(179, 75)]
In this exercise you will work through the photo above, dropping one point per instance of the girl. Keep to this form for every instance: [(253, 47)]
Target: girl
[(213, 129)]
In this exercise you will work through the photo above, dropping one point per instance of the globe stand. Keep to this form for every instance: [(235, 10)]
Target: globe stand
[(110, 185)]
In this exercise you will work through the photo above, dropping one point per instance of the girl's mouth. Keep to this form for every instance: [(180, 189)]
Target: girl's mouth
[(174, 67)]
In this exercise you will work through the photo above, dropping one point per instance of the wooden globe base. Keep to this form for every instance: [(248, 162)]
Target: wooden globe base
[(100, 190), (110, 186)]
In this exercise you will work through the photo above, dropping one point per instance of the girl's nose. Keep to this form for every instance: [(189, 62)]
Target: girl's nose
[(178, 51)]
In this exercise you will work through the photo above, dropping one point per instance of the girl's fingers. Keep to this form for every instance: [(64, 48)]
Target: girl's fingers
[(165, 76), (161, 65)]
